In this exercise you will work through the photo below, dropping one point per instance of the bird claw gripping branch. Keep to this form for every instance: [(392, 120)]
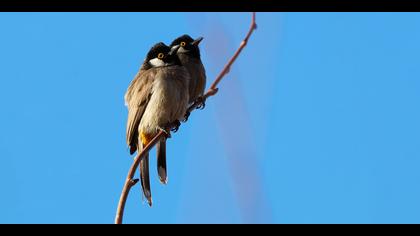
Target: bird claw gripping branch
[(201, 102), (175, 126)]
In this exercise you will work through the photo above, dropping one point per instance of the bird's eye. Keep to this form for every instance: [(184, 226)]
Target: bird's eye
[(160, 55), (183, 44)]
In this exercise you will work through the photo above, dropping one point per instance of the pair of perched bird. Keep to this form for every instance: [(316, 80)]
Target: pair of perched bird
[(170, 79)]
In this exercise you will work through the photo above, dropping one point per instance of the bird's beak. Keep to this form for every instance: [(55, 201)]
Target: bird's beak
[(197, 41), (174, 50)]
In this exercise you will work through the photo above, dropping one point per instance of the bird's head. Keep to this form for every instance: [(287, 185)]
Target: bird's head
[(186, 44), (160, 55)]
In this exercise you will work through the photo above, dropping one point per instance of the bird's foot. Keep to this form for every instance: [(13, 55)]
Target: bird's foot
[(186, 116), (201, 102), (165, 131), (175, 126)]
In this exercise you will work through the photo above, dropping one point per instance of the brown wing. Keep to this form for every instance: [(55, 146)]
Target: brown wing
[(136, 98)]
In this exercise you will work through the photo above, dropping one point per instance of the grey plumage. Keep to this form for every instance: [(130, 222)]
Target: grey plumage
[(156, 97), (189, 54), (198, 75), (136, 99)]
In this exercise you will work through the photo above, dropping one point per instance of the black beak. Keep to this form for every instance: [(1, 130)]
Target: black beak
[(197, 41), (174, 50)]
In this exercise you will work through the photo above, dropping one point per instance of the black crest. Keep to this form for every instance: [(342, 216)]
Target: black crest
[(154, 52), (191, 49), (156, 49)]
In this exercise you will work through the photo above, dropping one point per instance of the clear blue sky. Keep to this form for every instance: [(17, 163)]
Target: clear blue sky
[(318, 121)]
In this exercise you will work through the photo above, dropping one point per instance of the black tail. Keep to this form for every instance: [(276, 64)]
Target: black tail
[(145, 180), (161, 160)]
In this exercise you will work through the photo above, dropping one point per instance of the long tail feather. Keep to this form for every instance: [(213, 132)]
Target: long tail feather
[(161, 161), (145, 180)]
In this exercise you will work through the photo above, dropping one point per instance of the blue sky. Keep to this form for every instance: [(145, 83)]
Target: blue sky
[(317, 122)]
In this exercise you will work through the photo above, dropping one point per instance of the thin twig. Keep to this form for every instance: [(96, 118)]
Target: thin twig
[(213, 88), (130, 182)]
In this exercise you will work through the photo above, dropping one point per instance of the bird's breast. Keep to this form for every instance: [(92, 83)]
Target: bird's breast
[(169, 100)]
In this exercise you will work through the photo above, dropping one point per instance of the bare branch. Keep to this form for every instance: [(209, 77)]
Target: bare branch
[(213, 88), (130, 182)]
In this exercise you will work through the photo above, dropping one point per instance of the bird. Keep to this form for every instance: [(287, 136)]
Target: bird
[(188, 53), (157, 98)]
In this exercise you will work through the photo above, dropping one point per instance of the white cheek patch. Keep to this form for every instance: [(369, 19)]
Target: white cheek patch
[(156, 62), (182, 50)]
